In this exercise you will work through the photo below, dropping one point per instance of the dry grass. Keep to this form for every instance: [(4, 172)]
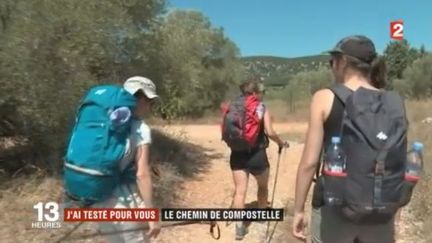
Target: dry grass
[(421, 205), (281, 111), (284, 112), (296, 137), (210, 117), (17, 199)]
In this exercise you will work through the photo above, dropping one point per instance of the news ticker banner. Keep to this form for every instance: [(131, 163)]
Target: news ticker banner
[(206, 214), (172, 214), (49, 215), (111, 214)]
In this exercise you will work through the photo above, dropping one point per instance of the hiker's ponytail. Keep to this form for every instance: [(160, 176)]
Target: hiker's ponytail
[(378, 72), (375, 71)]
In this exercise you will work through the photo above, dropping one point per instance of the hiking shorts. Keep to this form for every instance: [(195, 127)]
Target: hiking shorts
[(254, 161), (327, 226), (124, 196)]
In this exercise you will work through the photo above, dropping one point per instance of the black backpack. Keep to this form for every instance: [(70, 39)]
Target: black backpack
[(374, 139)]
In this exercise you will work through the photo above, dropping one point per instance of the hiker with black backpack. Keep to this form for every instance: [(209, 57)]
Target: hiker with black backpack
[(246, 128), (107, 161), (360, 131)]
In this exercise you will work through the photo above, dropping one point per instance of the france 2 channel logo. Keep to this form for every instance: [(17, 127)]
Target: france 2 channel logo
[(396, 30)]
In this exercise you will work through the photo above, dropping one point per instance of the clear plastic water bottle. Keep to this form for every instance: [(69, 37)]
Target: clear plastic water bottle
[(335, 159), (334, 172), (414, 165)]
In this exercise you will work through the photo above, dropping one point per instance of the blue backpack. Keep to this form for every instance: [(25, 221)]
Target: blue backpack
[(98, 143)]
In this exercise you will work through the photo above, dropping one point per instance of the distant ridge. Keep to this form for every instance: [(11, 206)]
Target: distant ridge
[(277, 70)]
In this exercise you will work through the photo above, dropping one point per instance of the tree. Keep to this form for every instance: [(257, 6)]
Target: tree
[(417, 79), (52, 51), (422, 51), (302, 85), (198, 64), (399, 55)]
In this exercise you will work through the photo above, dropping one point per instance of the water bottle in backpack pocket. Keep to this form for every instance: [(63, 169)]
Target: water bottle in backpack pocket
[(414, 167), (334, 173), (414, 164)]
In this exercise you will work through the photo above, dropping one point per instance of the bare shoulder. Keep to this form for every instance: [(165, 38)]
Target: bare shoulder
[(322, 95), (267, 114), (322, 101)]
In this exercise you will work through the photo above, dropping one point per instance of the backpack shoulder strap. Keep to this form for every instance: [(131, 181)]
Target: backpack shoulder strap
[(341, 92), (396, 106), (395, 102)]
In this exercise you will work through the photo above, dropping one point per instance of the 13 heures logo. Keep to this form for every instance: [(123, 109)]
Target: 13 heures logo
[(47, 216)]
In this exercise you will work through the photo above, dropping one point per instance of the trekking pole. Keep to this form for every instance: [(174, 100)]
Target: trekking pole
[(274, 228), (272, 233), (274, 186), (274, 189)]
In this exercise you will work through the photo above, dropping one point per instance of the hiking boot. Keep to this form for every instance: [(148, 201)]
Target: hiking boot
[(241, 231)]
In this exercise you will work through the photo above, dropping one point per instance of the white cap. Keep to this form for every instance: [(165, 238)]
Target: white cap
[(136, 83)]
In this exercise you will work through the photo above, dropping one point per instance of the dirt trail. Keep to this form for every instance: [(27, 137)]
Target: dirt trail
[(214, 188)]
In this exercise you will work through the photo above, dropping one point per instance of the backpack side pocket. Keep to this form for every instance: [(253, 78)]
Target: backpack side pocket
[(318, 193), (407, 191)]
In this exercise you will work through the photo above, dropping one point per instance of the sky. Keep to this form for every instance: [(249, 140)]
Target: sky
[(289, 28)]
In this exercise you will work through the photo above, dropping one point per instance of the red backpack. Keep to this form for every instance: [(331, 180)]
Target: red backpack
[(241, 124)]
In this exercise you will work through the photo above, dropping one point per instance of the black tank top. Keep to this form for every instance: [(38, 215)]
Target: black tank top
[(333, 123)]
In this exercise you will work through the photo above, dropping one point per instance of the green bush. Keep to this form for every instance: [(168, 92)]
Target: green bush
[(51, 52), (399, 55), (199, 64), (302, 85), (417, 79)]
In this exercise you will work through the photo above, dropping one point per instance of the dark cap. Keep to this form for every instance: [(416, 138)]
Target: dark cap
[(357, 46)]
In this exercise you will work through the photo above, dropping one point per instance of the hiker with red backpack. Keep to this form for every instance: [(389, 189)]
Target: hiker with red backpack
[(246, 129), (107, 160), (361, 131)]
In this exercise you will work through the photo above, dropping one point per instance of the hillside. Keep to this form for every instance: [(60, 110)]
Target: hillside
[(277, 70)]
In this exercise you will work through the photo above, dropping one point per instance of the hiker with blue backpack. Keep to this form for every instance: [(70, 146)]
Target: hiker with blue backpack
[(361, 131), (107, 161), (246, 128)]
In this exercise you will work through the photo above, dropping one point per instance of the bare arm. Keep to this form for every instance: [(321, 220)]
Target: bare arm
[(268, 126), (309, 161), (144, 179)]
